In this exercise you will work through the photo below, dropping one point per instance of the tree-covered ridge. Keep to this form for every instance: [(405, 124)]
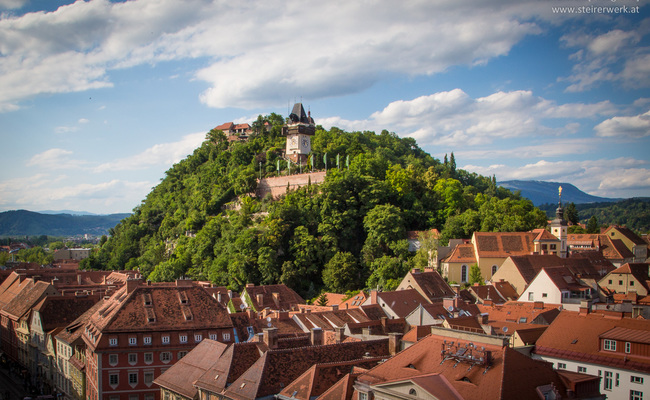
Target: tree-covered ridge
[(346, 233)]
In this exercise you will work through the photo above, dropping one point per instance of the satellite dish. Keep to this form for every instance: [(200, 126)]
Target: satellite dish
[(270, 325), (241, 306), (505, 329), (451, 308), (268, 319)]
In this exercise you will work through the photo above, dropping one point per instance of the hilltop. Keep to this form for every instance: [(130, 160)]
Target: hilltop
[(29, 223), (540, 192), (349, 232)]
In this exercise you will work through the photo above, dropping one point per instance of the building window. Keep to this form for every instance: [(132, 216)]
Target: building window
[(133, 378), (182, 354), (628, 347), (148, 377), (413, 392), (112, 359), (147, 340), (618, 376), (165, 356), (133, 397), (226, 337), (133, 341), (112, 341), (531, 296), (494, 269), (363, 396), (544, 295), (620, 283), (213, 336), (113, 379), (610, 281), (561, 365), (148, 358), (608, 380), (582, 369), (610, 345), (636, 379), (523, 320), (182, 338), (463, 273), (165, 339), (198, 338), (553, 246), (133, 358), (636, 395), (631, 283)]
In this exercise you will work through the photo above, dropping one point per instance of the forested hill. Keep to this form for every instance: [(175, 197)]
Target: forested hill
[(22, 222), (347, 233)]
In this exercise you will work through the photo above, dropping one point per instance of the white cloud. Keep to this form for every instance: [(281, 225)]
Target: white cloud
[(453, 117), (83, 121), (260, 53), (159, 154), (41, 191), (614, 56), (620, 177), (54, 159), (636, 126)]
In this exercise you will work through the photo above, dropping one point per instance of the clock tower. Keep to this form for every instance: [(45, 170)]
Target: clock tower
[(299, 129)]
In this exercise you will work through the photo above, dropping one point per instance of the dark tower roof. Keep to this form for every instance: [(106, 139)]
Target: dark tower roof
[(298, 115)]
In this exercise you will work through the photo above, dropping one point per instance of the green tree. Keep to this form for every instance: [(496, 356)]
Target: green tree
[(592, 225), (341, 273), (387, 272), (425, 256), (475, 275), (571, 213)]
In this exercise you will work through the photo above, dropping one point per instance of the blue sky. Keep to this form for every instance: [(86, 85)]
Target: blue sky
[(98, 98)]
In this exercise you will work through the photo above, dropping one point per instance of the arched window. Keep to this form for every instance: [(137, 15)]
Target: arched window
[(494, 269), (463, 273), (413, 392)]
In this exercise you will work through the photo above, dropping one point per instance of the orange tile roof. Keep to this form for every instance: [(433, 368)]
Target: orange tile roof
[(402, 302), (462, 253), (504, 244), (430, 284), (516, 311), (575, 336), (511, 375)]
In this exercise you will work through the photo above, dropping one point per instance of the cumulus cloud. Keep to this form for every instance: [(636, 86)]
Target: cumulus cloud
[(636, 126), (159, 154), (259, 53), (448, 118)]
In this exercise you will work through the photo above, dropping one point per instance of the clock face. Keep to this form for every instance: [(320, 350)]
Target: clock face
[(305, 142), (294, 142)]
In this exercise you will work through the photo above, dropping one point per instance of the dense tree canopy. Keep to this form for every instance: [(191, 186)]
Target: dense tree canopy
[(347, 233)]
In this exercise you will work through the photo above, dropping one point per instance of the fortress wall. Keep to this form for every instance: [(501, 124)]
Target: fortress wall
[(277, 186)]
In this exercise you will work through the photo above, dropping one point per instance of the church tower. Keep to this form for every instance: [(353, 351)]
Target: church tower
[(299, 129), (559, 227)]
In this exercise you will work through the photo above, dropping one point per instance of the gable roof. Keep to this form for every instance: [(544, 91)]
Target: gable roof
[(430, 284), (486, 292), (181, 376), (575, 336), (27, 298), (614, 249), (506, 290), (529, 266), (160, 306), (516, 311), (507, 375), (320, 377), (628, 233), (640, 271), (230, 365), (275, 297), (59, 311), (503, 244), (278, 368), (402, 302), (462, 253), (73, 330)]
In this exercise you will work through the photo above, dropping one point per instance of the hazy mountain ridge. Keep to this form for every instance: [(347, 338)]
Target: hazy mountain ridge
[(23, 222), (540, 192)]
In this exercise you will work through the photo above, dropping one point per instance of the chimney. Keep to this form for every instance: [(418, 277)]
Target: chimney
[(260, 299), (335, 307), (585, 307), (373, 297), (339, 334), (250, 285), (394, 341), (219, 297), (276, 299), (131, 284), (229, 294), (270, 337), (316, 336), (415, 271), (487, 302), (79, 279), (538, 305), (483, 318), (104, 280)]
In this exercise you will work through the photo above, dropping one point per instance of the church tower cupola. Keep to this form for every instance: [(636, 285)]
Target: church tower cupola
[(299, 129), (559, 227)]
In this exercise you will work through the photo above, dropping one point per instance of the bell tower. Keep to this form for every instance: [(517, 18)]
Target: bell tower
[(299, 129), (559, 227)]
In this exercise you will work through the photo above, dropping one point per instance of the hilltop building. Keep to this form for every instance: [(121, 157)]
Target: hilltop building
[(299, 129)]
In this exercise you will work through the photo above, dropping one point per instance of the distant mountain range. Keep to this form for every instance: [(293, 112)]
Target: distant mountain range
[(29, 223), (547, 192)]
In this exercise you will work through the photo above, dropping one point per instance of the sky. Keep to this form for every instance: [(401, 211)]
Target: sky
[(99, 98)]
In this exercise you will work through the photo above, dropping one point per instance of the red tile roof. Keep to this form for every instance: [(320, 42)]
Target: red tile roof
[(628, 233), (230, 365), (430, 284), (402, 302), (504, 244), (577, 337), (516, 311), (276, 297), (506, 290), (27, 298), (510, 374), (181, 376), (59, 311), (462, 253)]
